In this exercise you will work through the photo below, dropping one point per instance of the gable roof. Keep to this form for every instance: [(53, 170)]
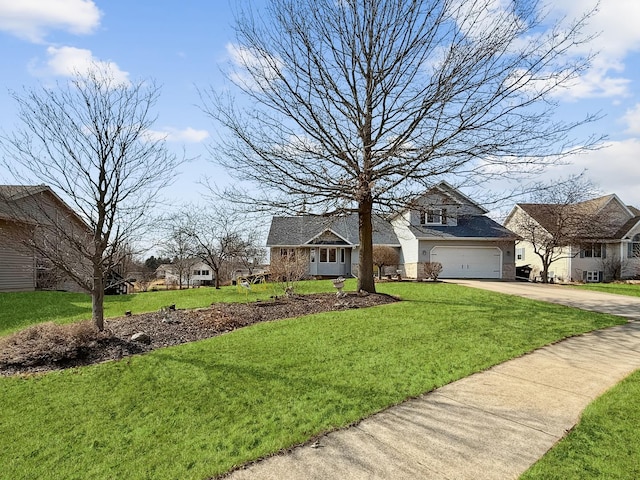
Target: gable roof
[(546, 214), (13, 194), (305, 229), (456, 197), (634, 210)]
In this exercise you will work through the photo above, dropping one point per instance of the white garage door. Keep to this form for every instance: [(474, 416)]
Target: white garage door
[(468, 262)]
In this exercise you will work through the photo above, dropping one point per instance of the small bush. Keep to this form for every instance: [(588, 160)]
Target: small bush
[(432, 270), (48, 342)]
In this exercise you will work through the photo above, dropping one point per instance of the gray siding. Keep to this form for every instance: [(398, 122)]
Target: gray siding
[(17, 270)]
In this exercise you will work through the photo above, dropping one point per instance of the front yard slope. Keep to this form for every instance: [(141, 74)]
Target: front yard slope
[(200, 409)]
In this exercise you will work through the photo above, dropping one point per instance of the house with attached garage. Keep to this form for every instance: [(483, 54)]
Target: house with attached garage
[(442, 225), (602, 239)]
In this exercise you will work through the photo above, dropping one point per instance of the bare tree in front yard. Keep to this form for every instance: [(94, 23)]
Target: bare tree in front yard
[(556, 219), (89, 139), (358, 105), (384, 256)]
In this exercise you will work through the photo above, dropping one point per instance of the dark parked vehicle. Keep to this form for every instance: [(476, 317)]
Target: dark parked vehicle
[(523, 273)]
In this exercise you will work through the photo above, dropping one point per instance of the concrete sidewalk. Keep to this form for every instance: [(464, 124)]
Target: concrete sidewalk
[(491, 425)]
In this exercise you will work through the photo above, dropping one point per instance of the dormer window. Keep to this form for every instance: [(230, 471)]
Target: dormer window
[(433, 216)]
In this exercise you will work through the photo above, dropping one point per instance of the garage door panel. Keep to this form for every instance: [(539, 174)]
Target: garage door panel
[(468, 262)]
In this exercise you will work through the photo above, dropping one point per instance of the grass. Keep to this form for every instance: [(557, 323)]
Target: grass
[(604, 445), (22, 309), (618, 288), (199, 409)]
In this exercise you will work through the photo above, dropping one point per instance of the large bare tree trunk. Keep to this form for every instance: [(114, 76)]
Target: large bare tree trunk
[(365, 225), (97, 299)]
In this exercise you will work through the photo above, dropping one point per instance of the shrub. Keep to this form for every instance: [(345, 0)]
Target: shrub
[(384, 256), (48, 342), (287, 270), (432, 270)]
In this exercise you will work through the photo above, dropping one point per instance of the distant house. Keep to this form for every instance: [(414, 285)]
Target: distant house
[(25, 212), (443, 225), (190, 272), (608, 247)]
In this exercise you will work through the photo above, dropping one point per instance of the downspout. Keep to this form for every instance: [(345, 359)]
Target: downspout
[(570, 263)]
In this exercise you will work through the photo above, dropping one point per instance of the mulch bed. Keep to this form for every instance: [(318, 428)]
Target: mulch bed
[(49, 346)]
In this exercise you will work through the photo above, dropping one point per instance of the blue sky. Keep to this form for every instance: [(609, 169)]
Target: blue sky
[(182, 45)]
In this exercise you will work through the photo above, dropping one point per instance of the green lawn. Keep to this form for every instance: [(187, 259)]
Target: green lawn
[(604, 445), (199, 409), (619, 288), (19, 310)]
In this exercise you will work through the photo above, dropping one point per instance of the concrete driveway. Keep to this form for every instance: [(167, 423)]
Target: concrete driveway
[(625, 306)]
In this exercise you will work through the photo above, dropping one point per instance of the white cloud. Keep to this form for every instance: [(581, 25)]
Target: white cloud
[(187, 135), (597, 83), (614, 22), (66, 61), (614, 168), (33, 19), (615, 26), (244, 61), (632, 119)]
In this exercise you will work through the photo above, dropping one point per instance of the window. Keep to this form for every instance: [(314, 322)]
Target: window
[(594, 250), (312, 254), (328, 255), (519, 253), (342, 255), (433, 216), (288, 252), (204, 272), (592, 276), (634, 247)]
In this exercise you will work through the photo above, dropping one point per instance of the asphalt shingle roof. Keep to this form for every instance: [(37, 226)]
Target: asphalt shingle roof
[(468, 227), (598, 227), (300, 230)]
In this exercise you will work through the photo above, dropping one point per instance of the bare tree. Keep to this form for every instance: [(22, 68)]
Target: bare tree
[(220, 237), (144, 277), (181, 248), (360, 104), (384, 256), (558, 217), (89, 139)]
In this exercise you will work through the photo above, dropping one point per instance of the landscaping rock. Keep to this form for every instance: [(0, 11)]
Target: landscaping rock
[(141, 337)]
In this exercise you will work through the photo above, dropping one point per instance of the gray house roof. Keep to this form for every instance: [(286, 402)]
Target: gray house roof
[(305, 229), (12, 209), (469, 227)]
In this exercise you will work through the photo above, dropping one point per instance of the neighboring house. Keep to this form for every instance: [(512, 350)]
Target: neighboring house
[(25, 212), (330, 245), (606, 247), (194, 273), (443, 225)]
